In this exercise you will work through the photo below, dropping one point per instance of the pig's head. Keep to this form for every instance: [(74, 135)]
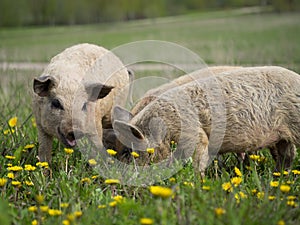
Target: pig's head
[(66, 108)]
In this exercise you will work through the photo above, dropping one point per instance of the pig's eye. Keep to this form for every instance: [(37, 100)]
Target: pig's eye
[(84, 107), (55, 103)]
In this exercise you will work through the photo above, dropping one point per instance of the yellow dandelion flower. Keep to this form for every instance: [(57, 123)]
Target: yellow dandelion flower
[(54, 212), (92, 162), (172, 179), (64, 205), (254, 157), (9, 165), (29, 167), (206, 188), (3, 181), (101, 206), (277, 174), (111, 181), (39, 198), (285, 173), (29, 146), (150, 150), (16, 183), (71, 217), (253, 191), (113, 204), (32, 208), (296, 172), (260, 195), (135, 154), (66, 222), (15, 168), (111, 152), (146, 221), (220, 211), (285, 188), (42, 164), (12, 122), (10, 157), (238, 172), (291, 197), (34, 222), (163, 192), (86, 180), (236, 181), (274, 183), (11, 175), (95, 177), (271, 197), (44, 208), (68, 151), (190, 184), (281, 222), (77, 214), (118, 198), (291, 203), (227, 187), (28, 183)]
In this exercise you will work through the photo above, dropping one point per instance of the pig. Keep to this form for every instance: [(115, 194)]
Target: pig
[(261, 110), (74, 96)]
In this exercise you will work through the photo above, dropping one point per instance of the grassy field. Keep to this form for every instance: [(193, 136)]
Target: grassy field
[(76, 194)]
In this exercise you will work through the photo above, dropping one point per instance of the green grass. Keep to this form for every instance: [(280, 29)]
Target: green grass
[(228, 39)]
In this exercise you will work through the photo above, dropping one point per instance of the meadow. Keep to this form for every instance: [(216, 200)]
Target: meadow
[(231, 193)]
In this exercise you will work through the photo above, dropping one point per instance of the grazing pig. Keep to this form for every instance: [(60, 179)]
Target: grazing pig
[(75, 94), (261, 109)]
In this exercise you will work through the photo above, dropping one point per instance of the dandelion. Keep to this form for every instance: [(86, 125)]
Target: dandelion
[(34, 222), (254, 191), (118, 198), (101, 206), (190, 184), (291, 197), (163, 192), (92, 162), (271, 197), (285, 188), (254, 157), (281, 222), (68, 151), (111, 181), (10, 157), (95, 177), (111, 152), (77, 214), (11, 175), (13, 122), (274, 183), (237, 172), (227, 187), (296, 172), (150, 150), (15, 168), (220, 211), (277, 174), (16, 183), (2, 181), (146, 221), (8, 164), (28, 183), (236, 181), (66, 222), (285, 173), (54, 212), (113, 204), (44, 208), (260, 195), (29, 167), (291, 203), (32, 208), (86, 180), (64, 205), (29, 146), (135, 154), (42, 164)]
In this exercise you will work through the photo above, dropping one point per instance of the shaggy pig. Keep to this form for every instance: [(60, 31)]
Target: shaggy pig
[(261, 109), (75, 94)]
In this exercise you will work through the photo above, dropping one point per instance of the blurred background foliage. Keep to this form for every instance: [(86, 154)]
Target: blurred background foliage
[(70, 12)]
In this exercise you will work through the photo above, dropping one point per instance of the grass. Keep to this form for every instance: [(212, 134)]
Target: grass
[(76, 194)]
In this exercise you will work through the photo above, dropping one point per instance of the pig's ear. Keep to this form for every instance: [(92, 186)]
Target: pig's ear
[(97, 91), (121, 114), (42, 85), (127, 130)]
